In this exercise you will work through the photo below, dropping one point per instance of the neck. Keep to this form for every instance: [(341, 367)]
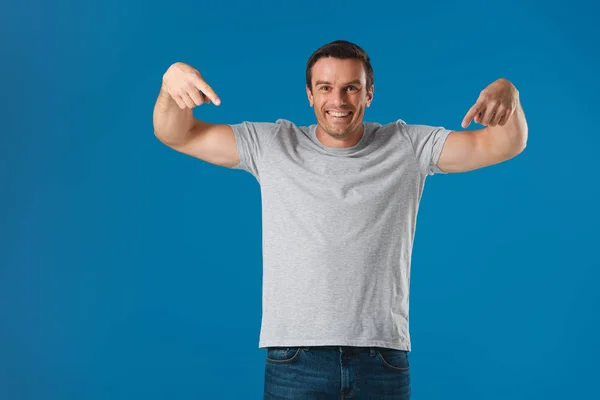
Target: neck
[(330, 141)]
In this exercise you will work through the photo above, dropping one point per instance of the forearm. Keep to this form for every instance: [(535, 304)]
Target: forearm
[(511, 138), (171, 123)]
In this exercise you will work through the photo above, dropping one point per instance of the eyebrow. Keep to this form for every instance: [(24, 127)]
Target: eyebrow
[(354, 82)]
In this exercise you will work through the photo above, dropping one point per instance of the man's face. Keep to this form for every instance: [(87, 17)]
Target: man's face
[(339, 85)]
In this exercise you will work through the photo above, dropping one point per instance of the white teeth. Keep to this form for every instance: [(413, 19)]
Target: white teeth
[(338, 114)]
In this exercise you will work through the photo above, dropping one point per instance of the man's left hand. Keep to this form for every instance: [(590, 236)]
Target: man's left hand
[(495, 105)]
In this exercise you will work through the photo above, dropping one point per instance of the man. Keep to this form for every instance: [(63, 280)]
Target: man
[(340, 201)]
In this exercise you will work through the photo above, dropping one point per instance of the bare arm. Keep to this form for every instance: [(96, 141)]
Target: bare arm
[(213, 143), (504, 136), (174, 124), (171, 123)]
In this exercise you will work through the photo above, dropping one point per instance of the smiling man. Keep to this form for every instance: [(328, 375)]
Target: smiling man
[(339, 96), (340, 201)]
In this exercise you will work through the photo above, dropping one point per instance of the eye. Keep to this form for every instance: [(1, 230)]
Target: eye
[(322, 88), (352, 87)]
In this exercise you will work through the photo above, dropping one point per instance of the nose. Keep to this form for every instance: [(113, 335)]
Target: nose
[(338, 98)]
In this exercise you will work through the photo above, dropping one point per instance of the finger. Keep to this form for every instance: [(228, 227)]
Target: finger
[(479, 116), (206, 99), (188, 100), (179, 102), (504, 118), (497, 116), (470, 115), (196, 97), (207, 90), (487, 116)]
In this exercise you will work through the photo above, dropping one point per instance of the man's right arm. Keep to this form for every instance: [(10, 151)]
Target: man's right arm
[(176, 127)]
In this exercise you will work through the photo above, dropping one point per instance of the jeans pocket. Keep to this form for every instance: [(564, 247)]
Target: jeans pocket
[(393, 358), (282, 355)]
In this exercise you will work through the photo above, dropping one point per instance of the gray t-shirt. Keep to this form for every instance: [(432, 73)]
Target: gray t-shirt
[(338, 228)]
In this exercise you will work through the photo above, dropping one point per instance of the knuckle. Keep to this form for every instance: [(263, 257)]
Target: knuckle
[(189, 84)]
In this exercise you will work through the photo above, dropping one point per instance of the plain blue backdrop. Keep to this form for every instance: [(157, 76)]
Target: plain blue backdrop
[(131, 271)]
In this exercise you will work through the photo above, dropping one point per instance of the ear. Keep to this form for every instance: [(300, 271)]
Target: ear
[(370, 95), (310, 96)]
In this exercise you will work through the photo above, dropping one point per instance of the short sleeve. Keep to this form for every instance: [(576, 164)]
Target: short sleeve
[(253, 140), (428, 142)]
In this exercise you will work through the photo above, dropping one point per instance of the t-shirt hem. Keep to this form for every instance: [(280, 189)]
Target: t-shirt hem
[(334, 342), (241, 147), (437, 152)]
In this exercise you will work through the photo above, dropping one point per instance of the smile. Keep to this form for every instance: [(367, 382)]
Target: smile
[(339, 115)]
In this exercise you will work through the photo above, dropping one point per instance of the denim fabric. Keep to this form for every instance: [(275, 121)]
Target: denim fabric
[(336, 372)]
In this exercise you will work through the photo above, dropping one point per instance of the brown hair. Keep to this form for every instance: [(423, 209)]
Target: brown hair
[(340, 49)]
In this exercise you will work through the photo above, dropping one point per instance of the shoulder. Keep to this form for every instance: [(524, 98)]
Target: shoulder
[(262, 128), (287, 124), (389, 126), (393, 128), (278, 124)]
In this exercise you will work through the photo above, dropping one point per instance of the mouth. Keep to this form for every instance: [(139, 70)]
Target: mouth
[(339, 116)]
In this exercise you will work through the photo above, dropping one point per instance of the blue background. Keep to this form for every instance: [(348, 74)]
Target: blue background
[(130, 271)]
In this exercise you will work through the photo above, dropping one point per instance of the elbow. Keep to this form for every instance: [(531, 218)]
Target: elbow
[(513, 149), (524, 135), (523, 141), (520, 146), (523, 146)]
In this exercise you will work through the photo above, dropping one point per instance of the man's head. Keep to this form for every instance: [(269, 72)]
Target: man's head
[(339, 77)]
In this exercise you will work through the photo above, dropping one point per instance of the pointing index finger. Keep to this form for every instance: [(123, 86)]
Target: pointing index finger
[(208, 91), (470, 115)]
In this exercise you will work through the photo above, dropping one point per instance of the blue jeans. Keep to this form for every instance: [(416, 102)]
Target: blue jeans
[(336, 372)]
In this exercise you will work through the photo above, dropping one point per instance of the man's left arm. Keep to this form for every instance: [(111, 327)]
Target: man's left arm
[(498, 108)]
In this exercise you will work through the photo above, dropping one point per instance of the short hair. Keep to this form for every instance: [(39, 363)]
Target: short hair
[(341, 49)]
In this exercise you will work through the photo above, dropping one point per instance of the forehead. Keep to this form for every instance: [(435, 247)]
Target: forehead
[(336, 70)]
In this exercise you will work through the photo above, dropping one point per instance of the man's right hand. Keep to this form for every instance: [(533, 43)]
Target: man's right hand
[(187, 88)]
